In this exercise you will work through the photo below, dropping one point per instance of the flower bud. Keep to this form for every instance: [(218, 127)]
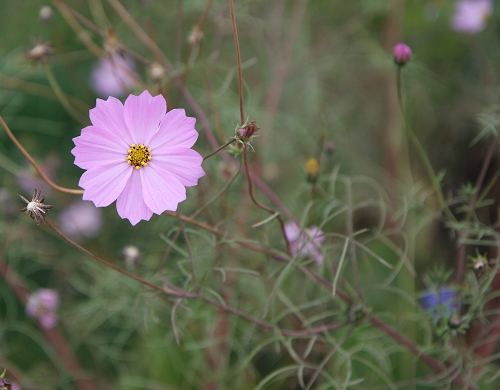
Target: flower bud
[(402, 54), (157, 72), (45, 14), (247, 131), (312, 168)]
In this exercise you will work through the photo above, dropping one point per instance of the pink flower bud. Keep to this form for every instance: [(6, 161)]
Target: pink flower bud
[(402, 54), (246, 132)]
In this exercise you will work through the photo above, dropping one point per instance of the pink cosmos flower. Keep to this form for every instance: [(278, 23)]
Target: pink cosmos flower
[(43, 305), (113, 76), (80, 220), (139, 156), (305, 243), (471, 16)]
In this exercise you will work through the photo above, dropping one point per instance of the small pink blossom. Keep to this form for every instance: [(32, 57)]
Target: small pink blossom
[(402, 54), (28, 178), (471, 16), (139, 156), (80, 220), (305, 243), (113, 76), (42, 305)]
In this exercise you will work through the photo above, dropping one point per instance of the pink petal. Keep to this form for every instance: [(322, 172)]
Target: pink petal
[(130, 204), (292, 231), (176, 130), (109, 115), (161, 190), (184, 164), (96, 147), (103, 184), (143, 114)]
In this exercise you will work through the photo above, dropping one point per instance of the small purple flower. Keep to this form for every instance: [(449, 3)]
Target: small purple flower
[(113, 76), (440, 301), (42, 305), (402, 54), (305, 243), (138, 155), (471, 16), (81, 220)]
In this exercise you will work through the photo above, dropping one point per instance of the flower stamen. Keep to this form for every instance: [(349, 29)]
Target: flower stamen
[(138, 155)]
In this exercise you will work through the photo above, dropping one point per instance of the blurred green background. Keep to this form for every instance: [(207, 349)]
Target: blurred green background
[(314, 72)]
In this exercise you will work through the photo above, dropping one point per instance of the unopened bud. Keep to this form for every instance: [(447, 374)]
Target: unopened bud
[(45, 15), (330, 148), (402, 54), (157, 72), (312, 169), (246, 132), (5, 384), (132, 256)]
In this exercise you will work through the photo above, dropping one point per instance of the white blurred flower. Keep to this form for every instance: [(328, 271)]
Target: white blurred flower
[(113, 76), (81, 220), (471, 16)]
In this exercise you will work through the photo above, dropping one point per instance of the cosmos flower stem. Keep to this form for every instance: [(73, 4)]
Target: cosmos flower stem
[(262, 206), (219, 149), (35, 165), (421, 152), (238, 59), (61, 96)]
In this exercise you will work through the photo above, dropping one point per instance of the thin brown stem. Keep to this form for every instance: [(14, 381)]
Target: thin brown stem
[(219, 149), (263, 206), (35, 165), (184, 294), (238, 60)]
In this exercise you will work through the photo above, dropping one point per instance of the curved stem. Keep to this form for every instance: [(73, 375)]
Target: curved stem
[(263, 206), (238, 60), (35, 165)]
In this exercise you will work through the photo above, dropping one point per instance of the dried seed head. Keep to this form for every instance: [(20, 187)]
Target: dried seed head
[(40, 52), (36, 209)]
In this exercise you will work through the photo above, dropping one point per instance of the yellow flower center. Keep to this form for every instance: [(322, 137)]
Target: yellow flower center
[(138, 155), (312, 167)]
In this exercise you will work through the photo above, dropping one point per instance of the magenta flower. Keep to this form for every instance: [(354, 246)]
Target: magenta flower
[(80, 220), (402, 54), (305, 243), (137, 155), (471, 16), (113, 76), (42, 305)]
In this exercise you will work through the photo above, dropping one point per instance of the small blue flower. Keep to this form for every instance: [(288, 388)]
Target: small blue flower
[(440, 301)]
